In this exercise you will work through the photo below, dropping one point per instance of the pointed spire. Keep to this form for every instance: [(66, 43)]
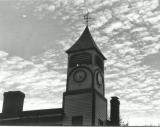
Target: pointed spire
[(85, 42)]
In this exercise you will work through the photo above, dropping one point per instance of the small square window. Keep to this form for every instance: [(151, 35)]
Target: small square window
[(77, 120)]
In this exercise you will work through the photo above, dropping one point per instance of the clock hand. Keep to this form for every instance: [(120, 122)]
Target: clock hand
[(80, 76)]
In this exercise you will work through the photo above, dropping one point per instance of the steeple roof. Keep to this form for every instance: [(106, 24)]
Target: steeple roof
[(85, 42)]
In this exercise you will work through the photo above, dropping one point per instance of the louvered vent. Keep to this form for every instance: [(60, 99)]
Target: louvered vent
[(99, 62), (79, 59)]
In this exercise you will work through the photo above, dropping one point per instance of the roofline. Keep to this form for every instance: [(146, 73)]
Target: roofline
[(32, 112), (51, 109), (87, 49)]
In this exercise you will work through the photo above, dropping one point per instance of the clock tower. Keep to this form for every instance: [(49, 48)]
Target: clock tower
[(84, 102)]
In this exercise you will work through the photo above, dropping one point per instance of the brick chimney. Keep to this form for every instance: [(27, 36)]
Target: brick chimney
[(114, 114), (12, 103)]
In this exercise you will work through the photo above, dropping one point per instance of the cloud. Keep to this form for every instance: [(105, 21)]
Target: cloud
[(113, 26), (51, 8), (126, 32), (33, 78)]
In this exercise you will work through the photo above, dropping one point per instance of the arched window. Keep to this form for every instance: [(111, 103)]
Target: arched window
[(79, 59)]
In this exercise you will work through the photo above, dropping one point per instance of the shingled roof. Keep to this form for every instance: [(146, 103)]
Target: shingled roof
[(85, 42)]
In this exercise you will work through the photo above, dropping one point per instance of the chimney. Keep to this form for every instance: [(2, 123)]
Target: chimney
[(12, 103), (114, 114)]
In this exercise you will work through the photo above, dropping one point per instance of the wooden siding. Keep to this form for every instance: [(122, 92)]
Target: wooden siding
[(78, 105), (100, 109), (33, 121)]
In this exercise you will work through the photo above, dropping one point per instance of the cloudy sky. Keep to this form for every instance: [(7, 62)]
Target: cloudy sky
[(34, 35)]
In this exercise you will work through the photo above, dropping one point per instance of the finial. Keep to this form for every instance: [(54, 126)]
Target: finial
[(86, 18)]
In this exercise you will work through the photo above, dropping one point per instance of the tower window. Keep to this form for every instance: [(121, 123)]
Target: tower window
[(79, 59), (77, 120), (99, 62)]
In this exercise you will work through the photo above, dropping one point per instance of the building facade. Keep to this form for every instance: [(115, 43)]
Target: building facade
[(84, 101)]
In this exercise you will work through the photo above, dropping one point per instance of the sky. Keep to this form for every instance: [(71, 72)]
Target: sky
[(34, 35)]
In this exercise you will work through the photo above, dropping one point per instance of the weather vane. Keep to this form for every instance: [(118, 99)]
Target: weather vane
[(87, 18)]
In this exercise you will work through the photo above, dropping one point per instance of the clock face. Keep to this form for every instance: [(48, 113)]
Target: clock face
[(79, 76), (99, 79)]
